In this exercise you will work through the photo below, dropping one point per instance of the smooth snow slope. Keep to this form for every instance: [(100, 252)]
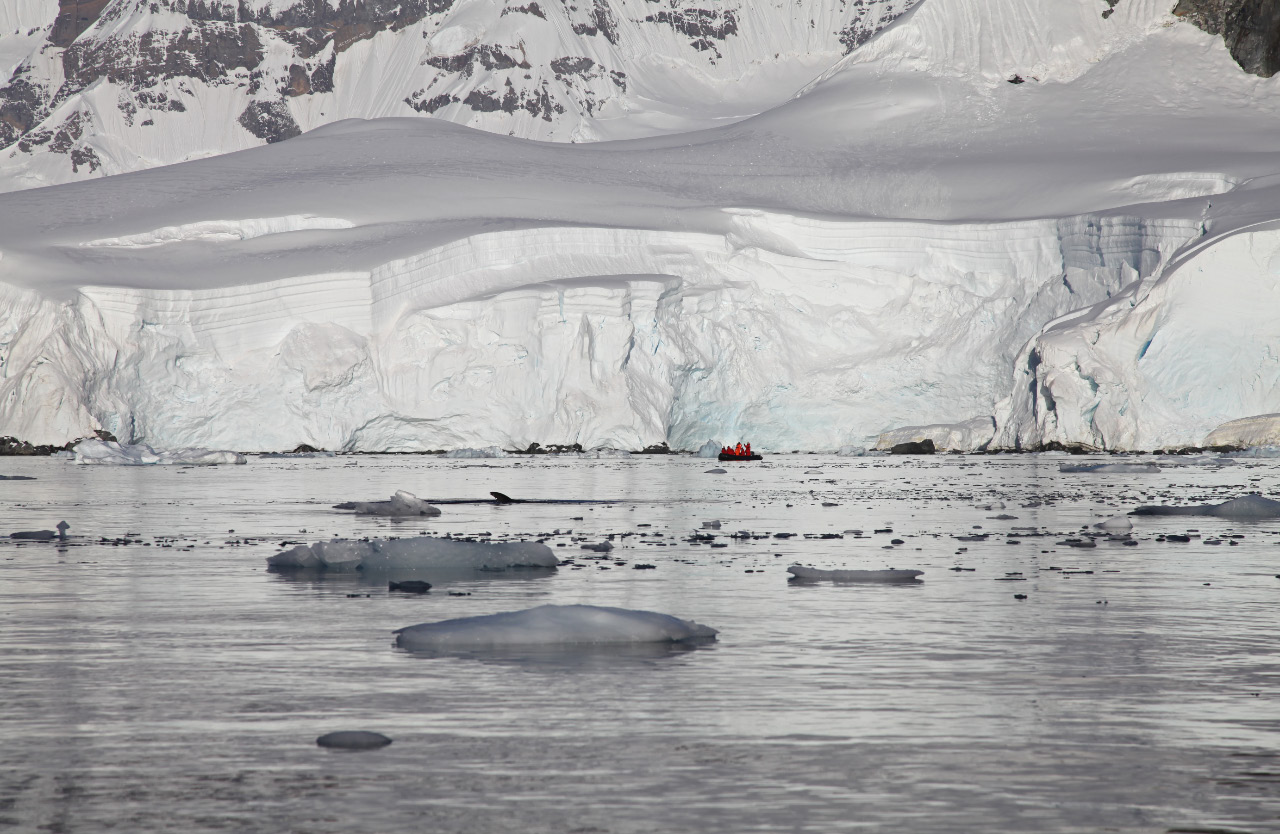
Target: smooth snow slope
[(881, 251), (92, 89)]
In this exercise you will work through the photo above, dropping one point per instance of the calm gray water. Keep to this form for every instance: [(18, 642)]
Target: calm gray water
[(172, 684)]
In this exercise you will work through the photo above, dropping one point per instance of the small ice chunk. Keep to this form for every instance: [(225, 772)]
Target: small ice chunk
[(852, 451), (1116, 524), (553, 625), (710, 449), (1111, 468), (806, 574), (716, 471), (401, 504), (602, 547), (108, 452), (418, 552), (711, 525), (486, 452), (353, 740)]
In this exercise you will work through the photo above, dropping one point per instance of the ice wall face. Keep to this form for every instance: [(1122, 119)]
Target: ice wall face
[(795, 333), (995, 207), (1163, 363), (94, 88)]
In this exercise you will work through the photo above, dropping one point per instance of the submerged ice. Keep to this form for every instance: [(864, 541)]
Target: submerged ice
[(553, 625)]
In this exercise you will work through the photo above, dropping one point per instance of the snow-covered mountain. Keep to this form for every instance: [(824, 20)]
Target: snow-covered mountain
[(100, 87), (1062, 213)]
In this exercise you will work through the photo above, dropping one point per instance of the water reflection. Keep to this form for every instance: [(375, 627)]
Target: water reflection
[(624, 658)]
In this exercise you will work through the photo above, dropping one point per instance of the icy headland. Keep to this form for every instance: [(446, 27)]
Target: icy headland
[(1017, 208)]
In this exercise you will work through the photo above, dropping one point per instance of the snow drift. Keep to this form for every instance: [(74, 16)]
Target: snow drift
[(551, 626)]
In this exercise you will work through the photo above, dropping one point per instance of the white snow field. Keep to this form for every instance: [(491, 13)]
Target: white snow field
[(421, 553), (110, 453), (569, 72), (1087, 255), (553, 625)]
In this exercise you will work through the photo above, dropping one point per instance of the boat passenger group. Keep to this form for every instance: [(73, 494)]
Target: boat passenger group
[(737, 451)]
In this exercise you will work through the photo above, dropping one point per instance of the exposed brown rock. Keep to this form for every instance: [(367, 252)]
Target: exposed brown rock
[(1250, 29)]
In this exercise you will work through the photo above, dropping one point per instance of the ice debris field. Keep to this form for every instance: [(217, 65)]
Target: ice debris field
[(866, 613)]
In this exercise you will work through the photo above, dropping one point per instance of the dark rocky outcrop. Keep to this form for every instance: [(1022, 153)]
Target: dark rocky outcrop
[(868, 18), (1250, 29), (269, 120), (924, 447), (13, 447)]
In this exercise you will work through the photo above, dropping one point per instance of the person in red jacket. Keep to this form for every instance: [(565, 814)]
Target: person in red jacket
[(748, 450), (737, 450)]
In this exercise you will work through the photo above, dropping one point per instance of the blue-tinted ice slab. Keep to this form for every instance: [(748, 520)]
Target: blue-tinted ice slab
[(1250, 506), (1111, 468)]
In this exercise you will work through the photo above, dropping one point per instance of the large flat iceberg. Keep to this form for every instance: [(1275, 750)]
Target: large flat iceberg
[(419, 553), (553, 625), (1245, 508), (107, 452)]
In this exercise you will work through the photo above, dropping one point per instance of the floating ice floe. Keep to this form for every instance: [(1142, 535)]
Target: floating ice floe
[(417, 553), (710, 449), (292, 455), (592, 454), (553, 625), (1110, 469), (1256, 452), (1116, 524), (806, 574), (401, 504), (109, 452), (716, 471), (1247, 507), (486, 452), (852, 451)]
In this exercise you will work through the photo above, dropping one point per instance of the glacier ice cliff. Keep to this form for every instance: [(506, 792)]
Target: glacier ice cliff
[(910, 241)]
